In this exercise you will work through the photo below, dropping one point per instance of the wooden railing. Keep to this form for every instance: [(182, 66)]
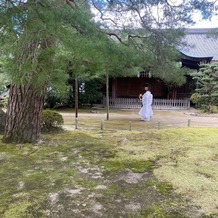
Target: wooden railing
[(171, 104), (161, 104)]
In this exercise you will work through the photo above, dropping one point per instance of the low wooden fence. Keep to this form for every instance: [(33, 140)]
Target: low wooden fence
[(160, 104), (171, 104)]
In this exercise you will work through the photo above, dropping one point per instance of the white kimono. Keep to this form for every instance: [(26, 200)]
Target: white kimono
[(146, 111)]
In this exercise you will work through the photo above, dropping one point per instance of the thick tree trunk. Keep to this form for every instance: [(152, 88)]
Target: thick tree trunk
[(23, 115)]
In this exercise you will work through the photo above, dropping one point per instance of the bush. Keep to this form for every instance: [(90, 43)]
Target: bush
[(196, 98), (4, 102), (213, 109), (55, 100), (51, 120)]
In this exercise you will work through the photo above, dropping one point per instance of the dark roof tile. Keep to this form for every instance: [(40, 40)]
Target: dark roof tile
[(200, 43)]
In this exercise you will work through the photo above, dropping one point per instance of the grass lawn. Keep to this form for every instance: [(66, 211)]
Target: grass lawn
[(169, 173)]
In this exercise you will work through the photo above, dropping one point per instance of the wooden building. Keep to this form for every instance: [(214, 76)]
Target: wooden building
[(131, 87), (199, 48)]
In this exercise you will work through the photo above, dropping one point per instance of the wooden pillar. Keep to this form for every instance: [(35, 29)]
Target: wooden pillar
[(174, 93), (107, 95), (114, 88), (76, 96)]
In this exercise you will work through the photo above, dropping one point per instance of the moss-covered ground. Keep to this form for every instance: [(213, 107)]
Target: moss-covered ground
[(171, 173)]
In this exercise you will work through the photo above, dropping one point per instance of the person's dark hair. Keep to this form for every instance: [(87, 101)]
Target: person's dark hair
[(147, 85)]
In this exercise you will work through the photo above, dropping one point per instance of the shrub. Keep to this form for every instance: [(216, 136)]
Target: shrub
[(55, 100), (213, 109), (4, 102), (204, 108), (196, 98), (51, 120)]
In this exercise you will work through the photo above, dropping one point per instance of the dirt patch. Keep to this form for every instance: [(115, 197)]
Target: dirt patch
[(120, 196), (131, 177), (126, 119)]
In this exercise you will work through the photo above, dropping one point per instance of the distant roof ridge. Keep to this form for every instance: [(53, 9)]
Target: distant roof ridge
[(198, 43), (199, 30)]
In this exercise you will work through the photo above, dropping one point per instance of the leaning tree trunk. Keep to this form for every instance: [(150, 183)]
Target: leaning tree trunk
[(23, 115)]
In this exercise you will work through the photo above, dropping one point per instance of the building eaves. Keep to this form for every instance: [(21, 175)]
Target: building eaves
[(200, 43)]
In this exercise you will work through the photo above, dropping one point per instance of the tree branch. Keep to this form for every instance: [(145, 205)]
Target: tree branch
[(72, 4), (114, 34), (102, 15)]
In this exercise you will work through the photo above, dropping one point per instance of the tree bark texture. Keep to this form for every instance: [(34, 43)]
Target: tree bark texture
[(23, 117)]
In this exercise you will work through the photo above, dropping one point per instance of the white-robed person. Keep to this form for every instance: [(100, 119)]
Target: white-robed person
[(146, 111)]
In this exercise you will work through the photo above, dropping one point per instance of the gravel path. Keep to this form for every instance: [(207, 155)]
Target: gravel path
[(166, 118)]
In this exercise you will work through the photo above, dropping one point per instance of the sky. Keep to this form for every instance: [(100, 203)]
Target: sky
[(213, 23), (129, 18)]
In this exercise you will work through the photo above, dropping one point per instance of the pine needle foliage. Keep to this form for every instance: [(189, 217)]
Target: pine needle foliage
[(40, 38), (207, 85)]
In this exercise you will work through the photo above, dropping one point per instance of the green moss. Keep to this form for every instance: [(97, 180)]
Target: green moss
[(17, 210), (137, 166), (163, 187), (36, 181), (55, 165), (5, 200), (88, 184), (122, 191), (210, 216), (26, 204), (157, 211), (112, 189), (153, 212)]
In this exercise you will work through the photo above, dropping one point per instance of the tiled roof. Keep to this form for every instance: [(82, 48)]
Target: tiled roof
[(200, 43)]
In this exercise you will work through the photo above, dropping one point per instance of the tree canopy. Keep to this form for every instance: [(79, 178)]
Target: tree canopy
[(40, 40), (32, 33), (206, 91)]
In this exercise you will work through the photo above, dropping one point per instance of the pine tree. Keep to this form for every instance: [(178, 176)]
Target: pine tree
[(32, 34), (206, 86), (40, 38)]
